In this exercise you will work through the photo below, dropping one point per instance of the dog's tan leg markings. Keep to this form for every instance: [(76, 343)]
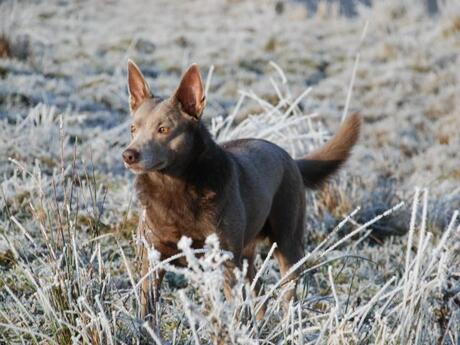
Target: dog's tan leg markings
[(285, 263)]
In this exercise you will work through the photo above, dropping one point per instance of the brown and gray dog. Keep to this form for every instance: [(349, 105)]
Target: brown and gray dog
[(244, 190)]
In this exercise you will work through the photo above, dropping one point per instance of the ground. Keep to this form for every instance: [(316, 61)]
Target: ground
[(274, 70)]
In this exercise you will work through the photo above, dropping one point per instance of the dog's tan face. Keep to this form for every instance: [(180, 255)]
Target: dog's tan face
[(162, 131)]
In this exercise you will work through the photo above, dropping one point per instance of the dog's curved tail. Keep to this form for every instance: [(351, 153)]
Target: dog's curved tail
[(326, 160)]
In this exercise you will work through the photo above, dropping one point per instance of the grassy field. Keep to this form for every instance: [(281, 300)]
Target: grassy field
[(382, 262)]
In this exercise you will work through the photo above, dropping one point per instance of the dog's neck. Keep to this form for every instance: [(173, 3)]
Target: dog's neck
[(201, 174)]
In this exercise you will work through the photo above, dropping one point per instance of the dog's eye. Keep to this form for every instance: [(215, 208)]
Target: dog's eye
[(133, 129), (163, 130)]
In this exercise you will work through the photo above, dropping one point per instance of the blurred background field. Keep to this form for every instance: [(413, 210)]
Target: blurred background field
[(67, 207)]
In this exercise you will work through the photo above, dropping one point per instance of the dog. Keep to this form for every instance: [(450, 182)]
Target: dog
[(244, 191)]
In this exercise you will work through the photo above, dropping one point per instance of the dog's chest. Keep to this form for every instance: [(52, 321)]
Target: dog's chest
[(173, 210)]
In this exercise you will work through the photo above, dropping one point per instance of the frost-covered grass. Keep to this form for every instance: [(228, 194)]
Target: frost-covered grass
[(70, 277), (68, 212)]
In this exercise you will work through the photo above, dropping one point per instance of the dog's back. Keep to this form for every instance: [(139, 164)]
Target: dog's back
[(266, 160)]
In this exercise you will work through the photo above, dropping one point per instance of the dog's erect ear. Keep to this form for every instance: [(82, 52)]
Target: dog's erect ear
[(190, 93), (137, 87)]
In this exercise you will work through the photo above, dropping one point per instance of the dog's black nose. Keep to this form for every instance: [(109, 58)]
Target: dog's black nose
[(130, 156)]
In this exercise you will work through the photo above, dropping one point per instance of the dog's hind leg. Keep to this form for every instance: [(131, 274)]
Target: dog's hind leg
[(287, 257), (286, 227)]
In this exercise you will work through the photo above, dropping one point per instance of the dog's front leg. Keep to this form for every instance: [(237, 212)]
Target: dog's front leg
[(229, 278), (150, 293)]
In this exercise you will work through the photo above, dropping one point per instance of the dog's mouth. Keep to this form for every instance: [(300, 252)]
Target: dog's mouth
[(139, 168), (135, 168)]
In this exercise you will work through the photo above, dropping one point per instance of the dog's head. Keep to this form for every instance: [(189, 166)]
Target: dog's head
[(162, 131)]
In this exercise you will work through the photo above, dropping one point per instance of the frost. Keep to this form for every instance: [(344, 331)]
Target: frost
[(277, 72)]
